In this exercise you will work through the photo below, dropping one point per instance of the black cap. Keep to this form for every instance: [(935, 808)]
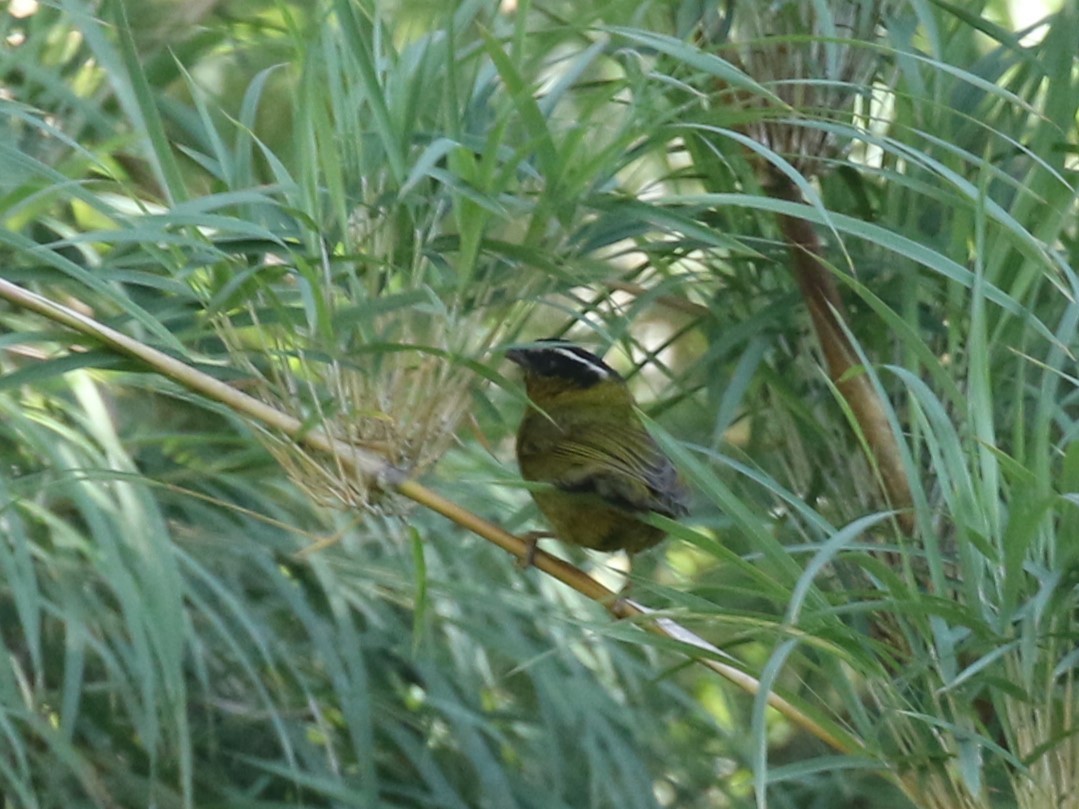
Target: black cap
[(559, 359)]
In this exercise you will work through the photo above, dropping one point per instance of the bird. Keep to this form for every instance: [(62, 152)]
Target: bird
[(581, 438)]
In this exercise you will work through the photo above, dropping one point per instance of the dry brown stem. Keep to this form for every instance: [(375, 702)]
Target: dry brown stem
[(826, 310)]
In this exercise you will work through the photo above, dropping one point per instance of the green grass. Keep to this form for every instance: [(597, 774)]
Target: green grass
[(347, 209)]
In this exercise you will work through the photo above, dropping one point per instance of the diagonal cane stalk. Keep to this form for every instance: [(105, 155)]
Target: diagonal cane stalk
[(370, 465), (826, 309)]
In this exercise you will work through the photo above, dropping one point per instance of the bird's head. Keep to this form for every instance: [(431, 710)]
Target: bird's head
[(556, 369)]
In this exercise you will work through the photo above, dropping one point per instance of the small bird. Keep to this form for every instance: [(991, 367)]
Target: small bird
[(582, 436)]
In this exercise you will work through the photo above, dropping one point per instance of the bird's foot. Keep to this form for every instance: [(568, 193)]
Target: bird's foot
[(531, 540)]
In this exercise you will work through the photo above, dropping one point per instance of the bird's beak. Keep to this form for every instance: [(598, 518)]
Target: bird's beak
[(518, 357)]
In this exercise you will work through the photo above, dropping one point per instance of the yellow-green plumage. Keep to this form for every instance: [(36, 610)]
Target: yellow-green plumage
[(582, 437)]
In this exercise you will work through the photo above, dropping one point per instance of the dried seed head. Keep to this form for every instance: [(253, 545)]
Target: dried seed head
[(820, 59), (364, 347)]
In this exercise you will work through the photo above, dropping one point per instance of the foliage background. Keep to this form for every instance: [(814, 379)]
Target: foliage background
[(342, 207)]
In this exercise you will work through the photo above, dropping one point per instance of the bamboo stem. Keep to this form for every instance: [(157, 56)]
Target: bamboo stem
[(370, 465)]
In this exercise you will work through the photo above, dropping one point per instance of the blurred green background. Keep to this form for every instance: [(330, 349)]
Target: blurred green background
[(348, 210)]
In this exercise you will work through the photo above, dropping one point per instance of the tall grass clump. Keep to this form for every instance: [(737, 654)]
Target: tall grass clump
[(901, 160), (832, 246)]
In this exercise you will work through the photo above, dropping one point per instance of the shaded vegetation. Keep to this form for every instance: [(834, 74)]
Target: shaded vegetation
[(833, 246)]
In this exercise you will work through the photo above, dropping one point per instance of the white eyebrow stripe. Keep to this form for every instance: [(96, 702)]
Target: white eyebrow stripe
[(599, 370)]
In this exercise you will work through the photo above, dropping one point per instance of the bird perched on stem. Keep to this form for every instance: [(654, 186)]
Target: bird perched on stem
[(583, 438)]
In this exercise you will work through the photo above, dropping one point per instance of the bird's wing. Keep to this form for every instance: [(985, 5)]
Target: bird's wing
[(622, 464)]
